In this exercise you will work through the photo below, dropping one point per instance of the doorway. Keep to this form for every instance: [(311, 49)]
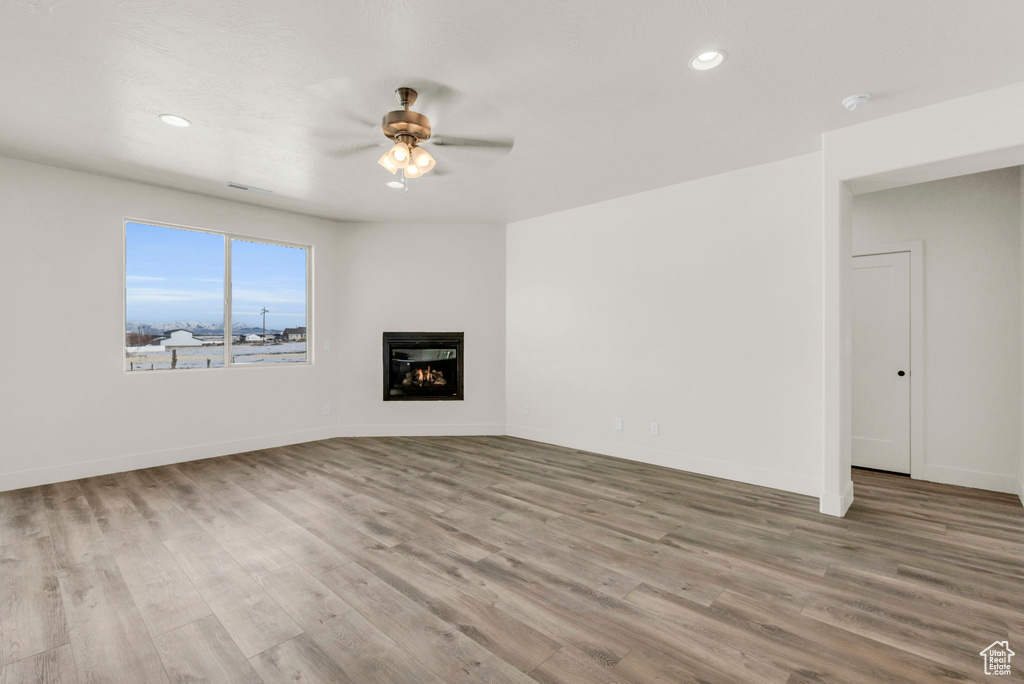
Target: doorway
[(880, 428), (887, 421)]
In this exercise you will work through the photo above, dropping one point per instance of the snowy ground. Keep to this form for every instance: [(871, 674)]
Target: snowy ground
[(283, 348), (197, 357)]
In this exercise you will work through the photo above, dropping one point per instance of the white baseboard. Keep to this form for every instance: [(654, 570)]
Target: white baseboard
[(424, 430), (834, 504), (977, 479), (120, 464), (764, 477)]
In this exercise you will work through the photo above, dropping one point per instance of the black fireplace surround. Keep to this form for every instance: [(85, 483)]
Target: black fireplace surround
[(423, 366)]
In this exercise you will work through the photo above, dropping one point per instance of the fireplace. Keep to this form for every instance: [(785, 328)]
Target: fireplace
[(422, 366)]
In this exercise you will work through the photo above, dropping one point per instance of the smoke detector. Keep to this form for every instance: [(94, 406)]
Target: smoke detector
[(855, 102)]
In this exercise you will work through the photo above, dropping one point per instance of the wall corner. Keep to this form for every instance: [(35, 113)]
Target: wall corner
[(837, 505)]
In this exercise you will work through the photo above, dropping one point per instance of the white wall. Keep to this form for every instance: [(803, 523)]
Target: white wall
[(422, 278), (970, 226), (696, 306), (69, 411)]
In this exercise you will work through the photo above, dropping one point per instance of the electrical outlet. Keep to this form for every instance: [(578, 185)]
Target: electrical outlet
[(327, 345), (327, 409), (654, 429), (526, 409), (618, 423)]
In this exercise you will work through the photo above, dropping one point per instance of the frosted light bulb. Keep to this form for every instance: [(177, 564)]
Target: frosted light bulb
[(399, 155), (422, 159), (385, 161)]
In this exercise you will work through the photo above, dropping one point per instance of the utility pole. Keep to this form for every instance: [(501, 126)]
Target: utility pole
[(264, 312)]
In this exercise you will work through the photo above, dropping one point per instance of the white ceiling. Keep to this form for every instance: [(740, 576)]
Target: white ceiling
[(597, 94)]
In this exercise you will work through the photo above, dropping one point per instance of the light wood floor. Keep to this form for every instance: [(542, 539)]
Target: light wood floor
[(476, 559)]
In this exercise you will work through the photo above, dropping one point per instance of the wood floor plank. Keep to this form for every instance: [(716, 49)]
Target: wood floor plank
[(300, 659), (22, 515), (543, 497), (476, 521), (450, 655), (489, 626), (647, 525), (574, 568), (514, 596), (73, 528), (352, 517), (689, 650), (256, 555), (32, 616), (851, 656), (165, 597), (116, 514), (219, 521), (308, 550), (572, 666), (645, 664), (56, 666), (950, 642), (924, 598), (362, 652), (631, 556), (157, 505), (107, 633), (203, 653), (251, 617)]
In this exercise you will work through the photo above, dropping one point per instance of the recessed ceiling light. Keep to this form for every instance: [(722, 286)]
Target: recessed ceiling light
[(397, 184), (855, 102), (175, 120), (707, 60)]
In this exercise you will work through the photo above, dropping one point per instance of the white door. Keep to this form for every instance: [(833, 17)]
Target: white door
[(881, 362)]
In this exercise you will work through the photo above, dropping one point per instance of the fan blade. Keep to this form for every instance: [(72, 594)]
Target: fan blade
[(364, 122), (434, 99), (446, 141), (351, 151)]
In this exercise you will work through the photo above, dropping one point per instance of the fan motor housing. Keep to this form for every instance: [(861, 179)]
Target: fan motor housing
[(405, 122)]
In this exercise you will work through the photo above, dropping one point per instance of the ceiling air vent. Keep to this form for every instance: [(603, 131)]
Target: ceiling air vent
[(249, 188)]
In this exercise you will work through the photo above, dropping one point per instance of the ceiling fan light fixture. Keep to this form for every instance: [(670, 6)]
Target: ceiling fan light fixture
[(385, 161), (399, 155), (422, 159), (413, 171)]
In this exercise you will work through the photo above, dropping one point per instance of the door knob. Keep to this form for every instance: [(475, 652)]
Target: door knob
[(901, 374)]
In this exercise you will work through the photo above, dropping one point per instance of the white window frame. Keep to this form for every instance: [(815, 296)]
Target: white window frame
[(228, 341)]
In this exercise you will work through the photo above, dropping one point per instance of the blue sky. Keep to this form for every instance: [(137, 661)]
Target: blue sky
[(178, 275)]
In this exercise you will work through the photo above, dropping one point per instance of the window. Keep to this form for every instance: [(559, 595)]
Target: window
[(200, 299), (268, 288)]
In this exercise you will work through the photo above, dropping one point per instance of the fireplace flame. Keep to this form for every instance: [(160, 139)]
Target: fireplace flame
[(424, 378)]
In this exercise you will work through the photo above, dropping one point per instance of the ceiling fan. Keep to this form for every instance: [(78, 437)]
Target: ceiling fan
[(407, 130)]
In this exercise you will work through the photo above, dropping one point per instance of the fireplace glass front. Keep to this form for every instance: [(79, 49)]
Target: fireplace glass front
[(422, 366)]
